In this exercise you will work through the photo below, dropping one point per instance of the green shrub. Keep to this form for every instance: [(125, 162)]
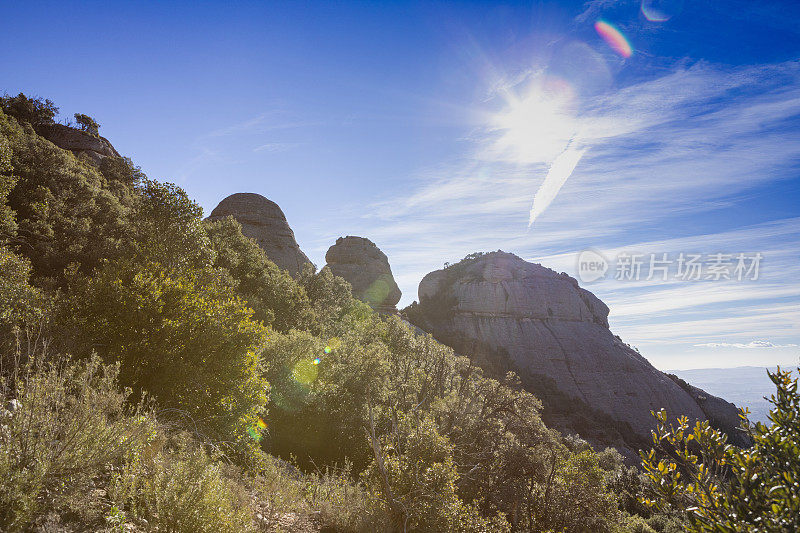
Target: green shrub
[(87, 124), (21, 305), (634, 524), (276, 298), (331, 499), (73, 454), (68, 428), (719, 487), (574, 498), (8, 227), (32, 110), (64, 210), (414, 475), (165, 227), (190, 343), (175, 487)]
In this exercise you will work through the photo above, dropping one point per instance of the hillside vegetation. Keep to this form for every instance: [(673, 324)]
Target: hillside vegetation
[(160, 373)]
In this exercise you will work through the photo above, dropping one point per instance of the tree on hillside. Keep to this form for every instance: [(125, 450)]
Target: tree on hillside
[(32, 110), (277, 298), (725, 489), (87, 124), (7, 225), (187, 341), (166, 228), (65, 211)]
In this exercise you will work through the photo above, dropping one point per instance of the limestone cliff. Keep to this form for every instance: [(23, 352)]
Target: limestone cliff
[(263, 221), (366, 268), (510, 314)]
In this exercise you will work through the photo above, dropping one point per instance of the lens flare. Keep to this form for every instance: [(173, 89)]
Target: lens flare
[(614, 38), (327, 349), (661, 10), (316, 361), (305, 372), (377, 292), (254, 434), (255, 431)]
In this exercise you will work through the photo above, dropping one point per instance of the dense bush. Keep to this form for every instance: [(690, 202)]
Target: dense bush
[(718, 487), (187, 340), (34, 111), (176, 486), (276, 298), (8, 227), (65, 212), (67, 424)]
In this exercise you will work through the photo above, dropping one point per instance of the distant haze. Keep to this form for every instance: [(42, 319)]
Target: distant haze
[(745, 386)]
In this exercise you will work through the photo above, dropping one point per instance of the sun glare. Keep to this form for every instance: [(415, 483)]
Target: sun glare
[(536, 126)]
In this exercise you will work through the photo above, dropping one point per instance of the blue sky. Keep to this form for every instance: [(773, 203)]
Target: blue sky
[(431, 128)]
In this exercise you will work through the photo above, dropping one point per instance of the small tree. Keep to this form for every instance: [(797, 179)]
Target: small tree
[(87, 124), (32, 110), (719, 487), (189, 342)]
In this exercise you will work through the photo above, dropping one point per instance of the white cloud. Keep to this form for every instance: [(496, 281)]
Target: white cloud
[(275, 147), (561, 169), (751, 344)]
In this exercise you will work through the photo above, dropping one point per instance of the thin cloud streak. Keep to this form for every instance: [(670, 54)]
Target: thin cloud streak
[(559, 172), (749, 345)]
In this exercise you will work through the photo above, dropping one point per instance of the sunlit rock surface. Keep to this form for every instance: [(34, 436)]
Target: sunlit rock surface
[(366, 268), (510, 314), (77, 141), (263, 221)]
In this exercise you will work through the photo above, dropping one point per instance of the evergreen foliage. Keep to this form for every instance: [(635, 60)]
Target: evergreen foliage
[(87, 124), (719, 487)]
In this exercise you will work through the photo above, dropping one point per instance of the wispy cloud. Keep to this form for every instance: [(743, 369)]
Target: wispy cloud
[(751, 344), (275, 147), (562, 168), (275, 119)]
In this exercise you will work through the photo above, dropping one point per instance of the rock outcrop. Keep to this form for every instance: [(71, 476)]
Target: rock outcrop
[(78, 142), (509, 314), (367, 269), (263, 221)]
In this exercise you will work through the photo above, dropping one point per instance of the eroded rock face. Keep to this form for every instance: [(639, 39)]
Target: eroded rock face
[(367, 269), (78, 142), (511, 314), (263, 221)]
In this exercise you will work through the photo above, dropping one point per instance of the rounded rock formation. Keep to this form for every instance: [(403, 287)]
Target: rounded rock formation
[(263, 221), (362, 264), (513, 315)]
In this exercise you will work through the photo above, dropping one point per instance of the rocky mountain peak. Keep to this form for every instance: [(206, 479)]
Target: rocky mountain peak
[(264, 221), (518, 288), (359, 261), (509, 314)]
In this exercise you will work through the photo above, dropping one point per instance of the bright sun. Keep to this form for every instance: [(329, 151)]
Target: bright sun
[(536, 125)]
